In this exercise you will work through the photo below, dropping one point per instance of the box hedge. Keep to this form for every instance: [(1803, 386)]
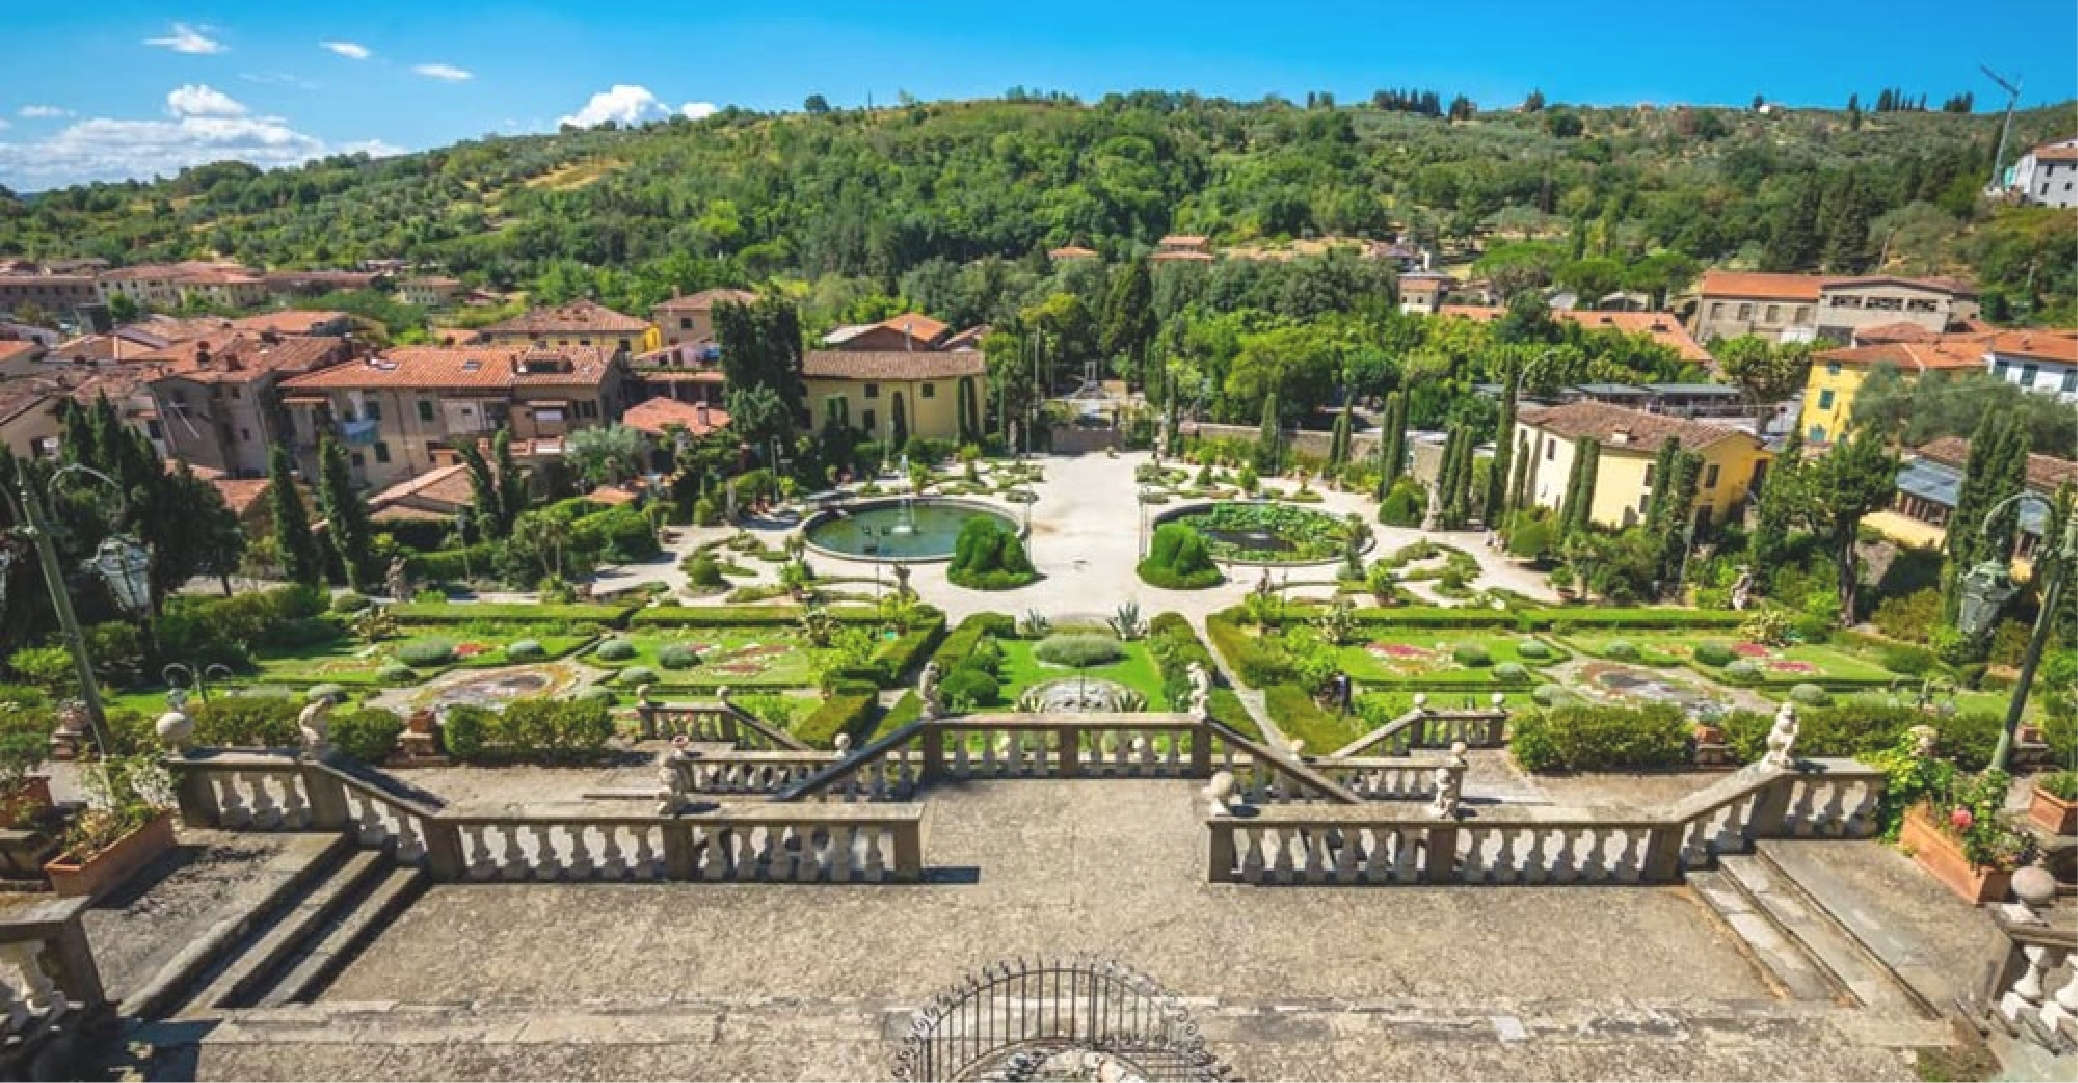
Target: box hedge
[(464, 613), (840, 712), (1600, 737)]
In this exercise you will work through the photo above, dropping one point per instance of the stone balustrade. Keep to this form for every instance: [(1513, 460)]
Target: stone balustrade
[(869, 843), (1380, 778), (748, 772), (2031, 993), (1529, 844), (50, 989), (1424, 728), (719, 722)]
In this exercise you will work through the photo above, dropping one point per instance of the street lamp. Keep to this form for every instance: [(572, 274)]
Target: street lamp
[(1985, 591), (125, 564)]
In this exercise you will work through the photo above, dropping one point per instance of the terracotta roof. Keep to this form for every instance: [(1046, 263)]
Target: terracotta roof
[(240, 494), (704, 300), (1602, 422), (660, 414), (1760, 284), (971, 337), (18, 397), (1070, 252), (1958, 353), (893, 364), (610, 495), (916, 325), (238, 356), (1939, 283), (2053, 152), (1894, 332), (1662, 327), (2058, 345), (1425, 283), (488, 367), (1191, 255), (433, 282), (119, 383), (9, 350), (2044, 472), (578, 315), (1181, 240), (442, 484), (289, 322)]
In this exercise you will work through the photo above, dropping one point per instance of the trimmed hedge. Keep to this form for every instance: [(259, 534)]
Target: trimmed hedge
[(453, 613), (448, 565), (430, 652), (247, 722), (368, 734), (1601, 738), (896, 656), (719, 616), (1301, 719), (556, 728), (1435, 616), (1714, 654), (1257, 666), (614, 650), (1635, 617), (840, 712), (1861, 729), (968, 634), (1079, 650)]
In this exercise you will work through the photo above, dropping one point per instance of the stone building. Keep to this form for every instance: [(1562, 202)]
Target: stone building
[(1733, 459)]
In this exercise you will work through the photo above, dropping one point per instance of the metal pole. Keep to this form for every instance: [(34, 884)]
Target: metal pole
[(2052, 593), (61, 602)]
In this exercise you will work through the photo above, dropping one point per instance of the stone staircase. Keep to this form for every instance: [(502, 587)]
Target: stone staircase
[(1807, 948), (286, 946)]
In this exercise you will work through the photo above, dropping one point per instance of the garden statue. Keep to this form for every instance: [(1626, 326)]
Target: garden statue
[(314, 724), (175, 727), (398, 580), (902, 580), (1432, 513), (642, 697), (928, 692), (1200, 704), (1782, 738), (1450, 783), (675, 771), (1743, 589)]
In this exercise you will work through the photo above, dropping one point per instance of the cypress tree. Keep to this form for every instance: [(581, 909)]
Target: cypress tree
[(299, 553), (512, 485), (1589, 475), (1338, 441), (1496, 504), (1677, 510), (1778, 504), (1525, 462), (1662, 483), (1578, 512), (1392, 443), (1268, 436), (483, 488), (2007, 476), (1965, 541), (346, 517)]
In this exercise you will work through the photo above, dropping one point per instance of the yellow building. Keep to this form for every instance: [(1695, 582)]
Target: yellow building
[(868, 390), (1630, 440), (577, 323), (1837, 376)]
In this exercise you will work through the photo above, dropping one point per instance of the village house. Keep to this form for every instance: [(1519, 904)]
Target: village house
[(1630, 440), (667, 421), (29, 416), (690, 318), (1931, 479), (1837, 376), (2047, 175), (21, 358), (576, 323), (1663, 328), (217, 400), (1070, 253), (1807, 308), (908, 331), (1182, 248), (687, 372), (2041, 362), (310, 283), (1422, 292), (429, 291), (61, 296), (402, 412), (890, 393)]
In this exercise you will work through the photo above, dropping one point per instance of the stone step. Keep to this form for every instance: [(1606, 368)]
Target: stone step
[(306, 858), (240, 983), (1849, 965), (1875, 920), (346, 935), (1780, 956)]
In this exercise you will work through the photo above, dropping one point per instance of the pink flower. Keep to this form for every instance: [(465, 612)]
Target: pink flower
[(1961, 818)]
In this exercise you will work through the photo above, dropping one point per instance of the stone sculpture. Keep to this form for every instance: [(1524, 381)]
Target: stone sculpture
[(1201, 691), (927, 690), (314, 723), (398, 580), (1743, 589), (1782, 739), (1450, 783)]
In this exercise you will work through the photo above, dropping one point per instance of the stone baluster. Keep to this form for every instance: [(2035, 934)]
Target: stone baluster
[(645, 859), (39, 994), (481, 866), (368, 828), (548, 860), (410, 846), (2060, 1009), (230, 802), (12, 1008), (2024, 999), (512, 859), (295, 811), (580, 865), (1250, 858)]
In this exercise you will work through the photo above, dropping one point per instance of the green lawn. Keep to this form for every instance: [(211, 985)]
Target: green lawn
[(1415, 657), (1136, 671), (771, 656), (1802, 663), (349, 661)]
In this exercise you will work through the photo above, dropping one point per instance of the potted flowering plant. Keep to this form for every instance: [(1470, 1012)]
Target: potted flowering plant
[(1957, 834), (23, 793), (121, 831), (2054, 802)]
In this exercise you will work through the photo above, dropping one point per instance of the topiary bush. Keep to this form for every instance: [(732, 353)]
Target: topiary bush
[(350, 602), (397, 673), (1512, 673), (614, 650), (335, 693), (705, 571), (1404, 505), (600, 693), (1179, 559), (1620, 650), (972, 685), (368, 734), (1742, 671), (1472, 655), (1714, 654), (1079, 650), (1810, 695), (1551, 695), (633, 676), (525, 650), (988, 556), (425, 652), (678, 656), (1533, 649), (1909, 660)]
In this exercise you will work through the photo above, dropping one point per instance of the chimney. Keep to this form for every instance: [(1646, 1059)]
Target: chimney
[(269, 335), (700, 414), (1620, 438), (909, 334), (201, 355)]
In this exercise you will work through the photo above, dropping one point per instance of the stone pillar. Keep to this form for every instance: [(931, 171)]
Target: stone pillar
[(1662, 864), (1219, 859), (197, 796), (70, 962), (1439, 864), (328, 811), (1069, 737), (678, 851), (909, 858), (934, 754), (1201, 750), (443, 850)]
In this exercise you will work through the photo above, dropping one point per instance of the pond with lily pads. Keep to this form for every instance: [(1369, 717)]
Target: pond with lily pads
[(1263, 532)]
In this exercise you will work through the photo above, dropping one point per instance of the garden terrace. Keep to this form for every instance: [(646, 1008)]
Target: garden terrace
[(1446, 660), (1842, 666)]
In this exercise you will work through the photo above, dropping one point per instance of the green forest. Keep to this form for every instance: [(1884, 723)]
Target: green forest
[(952, 205)]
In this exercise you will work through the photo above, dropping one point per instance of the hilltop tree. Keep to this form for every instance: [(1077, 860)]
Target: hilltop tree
[(292, 537)]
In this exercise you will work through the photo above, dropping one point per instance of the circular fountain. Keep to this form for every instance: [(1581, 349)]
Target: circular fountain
[(1080, 695), (896, 529)]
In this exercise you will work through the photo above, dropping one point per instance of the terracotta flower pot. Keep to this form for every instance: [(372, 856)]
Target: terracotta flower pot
[(1941, 854), (33, 797), (2053, 813), (90, 876)]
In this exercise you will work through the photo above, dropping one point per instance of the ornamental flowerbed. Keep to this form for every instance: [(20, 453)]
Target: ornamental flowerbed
[(769, 657), (1445, 658), (1268, 533), (1730, 660)]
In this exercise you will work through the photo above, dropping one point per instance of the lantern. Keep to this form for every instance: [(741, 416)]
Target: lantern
[(125, 565), (1985, 591)]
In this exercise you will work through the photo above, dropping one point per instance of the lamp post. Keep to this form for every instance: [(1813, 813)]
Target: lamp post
[(1987, 588), (122, 561)]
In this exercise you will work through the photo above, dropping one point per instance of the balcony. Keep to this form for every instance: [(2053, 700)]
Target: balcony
[(359, 433)]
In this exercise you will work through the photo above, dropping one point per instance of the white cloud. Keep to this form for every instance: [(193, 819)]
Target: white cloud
[(205, 125), (696, 110), (348, 49), (623, 103), (202, 100), (277, 79), (44, 111), (188, 39), (448, 72)]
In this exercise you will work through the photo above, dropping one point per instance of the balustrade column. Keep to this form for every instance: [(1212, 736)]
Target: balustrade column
[(444, 861), (327, 796), (1067, 737), (909, 860), (1219, 861), (1441, 860), (196, 793), (1770, 815), (678, 851), (1662, 862)]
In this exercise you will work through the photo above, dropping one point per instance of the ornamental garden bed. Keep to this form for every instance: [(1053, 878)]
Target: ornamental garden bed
[(768, 656), (1446, 659), (1266, 533), (1021, 669), (1727, 659), (353, 663)]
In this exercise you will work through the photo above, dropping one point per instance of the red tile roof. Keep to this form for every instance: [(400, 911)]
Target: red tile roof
[(1070, 252), (2050, 152), (893, 364), (574, 316), (290, 322), (705, 300), (486, 367), (442, 485), (2044, 472), (1910, 356), (1759, 284), (659, 415), (1605, 423), (240, 494), (2058, 345), (239, 356)]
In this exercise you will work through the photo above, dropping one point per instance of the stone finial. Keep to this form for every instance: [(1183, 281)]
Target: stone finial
[(928, 692), (1499, 698), (842, 744), (174, 728), (2034, 886), (1421, 701), (1298, 748), (1450, 783), (1782, 739), (642, 696), (1218, 792), (314, 725)]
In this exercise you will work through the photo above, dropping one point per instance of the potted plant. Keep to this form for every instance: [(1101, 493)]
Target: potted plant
[(120, 832), (1958, 835), (1562, 582), (2054, 804), (23, 794)]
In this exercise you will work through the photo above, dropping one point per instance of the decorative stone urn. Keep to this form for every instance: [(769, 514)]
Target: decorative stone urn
[(174, 728)]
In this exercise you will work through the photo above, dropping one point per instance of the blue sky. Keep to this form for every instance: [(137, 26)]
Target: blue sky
[(117, 89)]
